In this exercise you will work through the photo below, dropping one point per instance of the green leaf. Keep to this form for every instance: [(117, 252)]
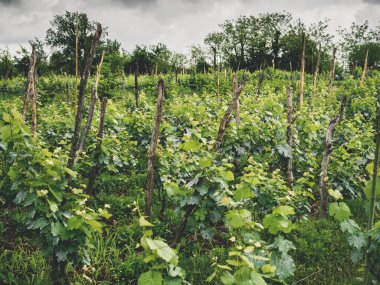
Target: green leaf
[(150, 278), (227, 278), (284, 210), (205, 162), (52, 205), (336, 194), (284, 264), (257, 279), (163, 250), (95, 225), (283, 245), (238, 218), (357, 240), (284, 149), (368, 189), (74, 223), (340, 211), (39, 224), (20, 197), (349, 226), (227, 175), (172, 189), (56, 228), (144, 223), (191, 145), (243, 193), (172, 281), (70, 172)]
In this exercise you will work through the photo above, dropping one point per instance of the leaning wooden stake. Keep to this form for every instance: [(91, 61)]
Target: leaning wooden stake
[(290, 139), (80, 106), (316, 71), (152, 148), (365, 67), (326, 158), (76, 55), (226, 118), (372, 198), (332, 70), (302, 79), (95, 168), (137, 86), (235, 83), (34, 104), (94, 97), (30, 88)]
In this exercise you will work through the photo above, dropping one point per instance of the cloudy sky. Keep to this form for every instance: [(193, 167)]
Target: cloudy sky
[(177, 23)]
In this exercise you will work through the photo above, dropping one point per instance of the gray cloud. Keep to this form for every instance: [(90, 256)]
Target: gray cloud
[(372, 1), (10, 2), (177, 23)]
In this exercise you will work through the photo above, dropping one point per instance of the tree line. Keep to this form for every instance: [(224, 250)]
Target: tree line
[(248, 42)]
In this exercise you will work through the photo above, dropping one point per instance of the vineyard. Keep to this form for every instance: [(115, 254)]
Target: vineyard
[(216, 177)]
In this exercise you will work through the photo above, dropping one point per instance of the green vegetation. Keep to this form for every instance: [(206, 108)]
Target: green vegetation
[(225, 209)]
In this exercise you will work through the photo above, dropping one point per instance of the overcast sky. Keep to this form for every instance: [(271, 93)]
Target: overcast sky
[(177, 23)]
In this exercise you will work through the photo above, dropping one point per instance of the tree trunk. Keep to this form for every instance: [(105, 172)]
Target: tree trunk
[(226, 118), (365, 67), (372, 198), (152, 148), (94, 97), (137, 86), (95, 168), (332, 70), (290, 139), (316, 72), (30, 88), (302, 79), (326, 158), (81, 95)]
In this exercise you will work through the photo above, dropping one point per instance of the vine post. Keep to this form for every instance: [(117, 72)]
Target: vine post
[(326, 158), (81, 95), (152, 148), (290, 138), (365, 67)]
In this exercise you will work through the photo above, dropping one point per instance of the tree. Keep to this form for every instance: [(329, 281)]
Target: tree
[(61, 37), (214, 42), (356, 40), (7, 68)]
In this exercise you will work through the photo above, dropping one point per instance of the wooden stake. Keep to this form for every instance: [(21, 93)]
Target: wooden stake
[(81, 95), (235, 86), (290, 139), (365, 67), (316, 71), (94, 97), (34, 104), (332, 70), (152, 148), (95, 168), (326, 158), (302, 79), (226, 118), (30, 88)]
